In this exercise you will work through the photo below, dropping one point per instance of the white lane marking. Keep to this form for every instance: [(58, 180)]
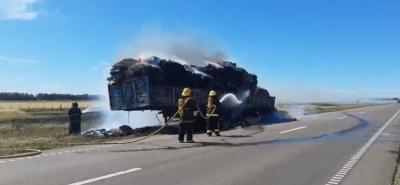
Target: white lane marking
[(2, 161), (362, 112), (298, 128), (338, 175), (106, 176), (362, 151), (342, 117)]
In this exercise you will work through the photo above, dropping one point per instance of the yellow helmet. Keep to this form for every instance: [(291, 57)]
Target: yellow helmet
[(213, 93), (186, 92)]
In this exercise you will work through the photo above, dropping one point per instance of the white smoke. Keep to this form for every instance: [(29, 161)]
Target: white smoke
[(184, 48), (115, 119), (181, 47)]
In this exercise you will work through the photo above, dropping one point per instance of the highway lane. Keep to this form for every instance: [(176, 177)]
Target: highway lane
[(311, 151)]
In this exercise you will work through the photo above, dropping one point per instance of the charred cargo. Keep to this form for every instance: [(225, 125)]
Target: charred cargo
[(157, 84)]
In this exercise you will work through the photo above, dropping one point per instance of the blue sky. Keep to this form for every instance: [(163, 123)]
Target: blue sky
[(299, 49)]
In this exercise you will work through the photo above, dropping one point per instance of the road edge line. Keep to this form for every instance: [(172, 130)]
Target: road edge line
[(353, 161)]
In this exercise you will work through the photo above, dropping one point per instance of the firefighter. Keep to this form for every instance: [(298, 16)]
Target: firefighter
[(212, 114), (187, 117), (74, 114)]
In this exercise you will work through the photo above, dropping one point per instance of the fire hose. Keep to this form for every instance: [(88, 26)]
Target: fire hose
[(36, 151)]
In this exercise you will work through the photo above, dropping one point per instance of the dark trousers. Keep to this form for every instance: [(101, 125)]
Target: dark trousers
[(75, 127), (213, 124), (186, 127)]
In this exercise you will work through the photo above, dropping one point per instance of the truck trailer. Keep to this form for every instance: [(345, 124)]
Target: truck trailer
[(145, 93)]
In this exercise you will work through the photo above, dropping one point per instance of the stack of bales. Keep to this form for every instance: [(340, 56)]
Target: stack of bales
[(219, 75)]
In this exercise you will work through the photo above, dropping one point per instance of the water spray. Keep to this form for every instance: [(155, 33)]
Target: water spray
[(232, 100)]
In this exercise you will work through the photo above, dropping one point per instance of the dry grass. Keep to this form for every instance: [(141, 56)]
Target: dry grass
[(41, 105), (6, 116), (333, 108), (39, 130), (308, 109), (36, 136), (396, 178)]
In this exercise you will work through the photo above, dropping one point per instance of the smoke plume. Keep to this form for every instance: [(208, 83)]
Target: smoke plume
[(181, 47), (152, 41)]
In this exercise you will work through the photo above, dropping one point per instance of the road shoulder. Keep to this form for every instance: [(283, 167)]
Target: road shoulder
[(379, 164)]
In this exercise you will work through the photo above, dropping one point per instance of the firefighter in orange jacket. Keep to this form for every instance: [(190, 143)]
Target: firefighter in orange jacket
[(212, 113), (187, 116)]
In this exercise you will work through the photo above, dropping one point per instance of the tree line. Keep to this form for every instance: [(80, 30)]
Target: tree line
[(46, 96)]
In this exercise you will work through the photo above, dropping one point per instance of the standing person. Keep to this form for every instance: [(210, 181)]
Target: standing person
[(74, 114), (187, 118), (212, 114)]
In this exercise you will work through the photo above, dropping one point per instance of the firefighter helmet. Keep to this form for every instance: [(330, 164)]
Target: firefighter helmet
[(213, 93), (186, 92)]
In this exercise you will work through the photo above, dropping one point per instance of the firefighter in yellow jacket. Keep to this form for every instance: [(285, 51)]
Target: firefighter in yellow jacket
[(187, 117), (213, 106)]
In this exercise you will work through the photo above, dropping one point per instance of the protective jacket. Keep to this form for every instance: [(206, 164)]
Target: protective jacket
[(213, 106), (186, 113), (75, 114)]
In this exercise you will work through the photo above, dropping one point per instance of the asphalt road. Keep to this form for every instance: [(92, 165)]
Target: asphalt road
[(356, 147)]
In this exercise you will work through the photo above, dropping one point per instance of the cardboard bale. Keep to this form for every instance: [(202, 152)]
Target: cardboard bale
[(220, 75), (173, 72), (147, 67), (120, 70)]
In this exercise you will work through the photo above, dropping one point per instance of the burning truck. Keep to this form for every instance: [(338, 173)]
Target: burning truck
[(156, 84)]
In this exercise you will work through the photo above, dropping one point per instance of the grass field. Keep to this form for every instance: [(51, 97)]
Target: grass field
[(43, 125), (333, 108), (41, 105), (40, 130), (317, 108), (40, 125)]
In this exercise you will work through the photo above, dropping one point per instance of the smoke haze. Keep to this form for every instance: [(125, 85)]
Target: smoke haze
[(115, 119), (181, 47), (152, 41)]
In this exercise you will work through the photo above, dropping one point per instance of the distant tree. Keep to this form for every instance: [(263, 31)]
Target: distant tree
[(9, 96), (16, 96)]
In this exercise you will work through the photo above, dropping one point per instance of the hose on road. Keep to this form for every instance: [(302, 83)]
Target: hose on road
[(36, 152)]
